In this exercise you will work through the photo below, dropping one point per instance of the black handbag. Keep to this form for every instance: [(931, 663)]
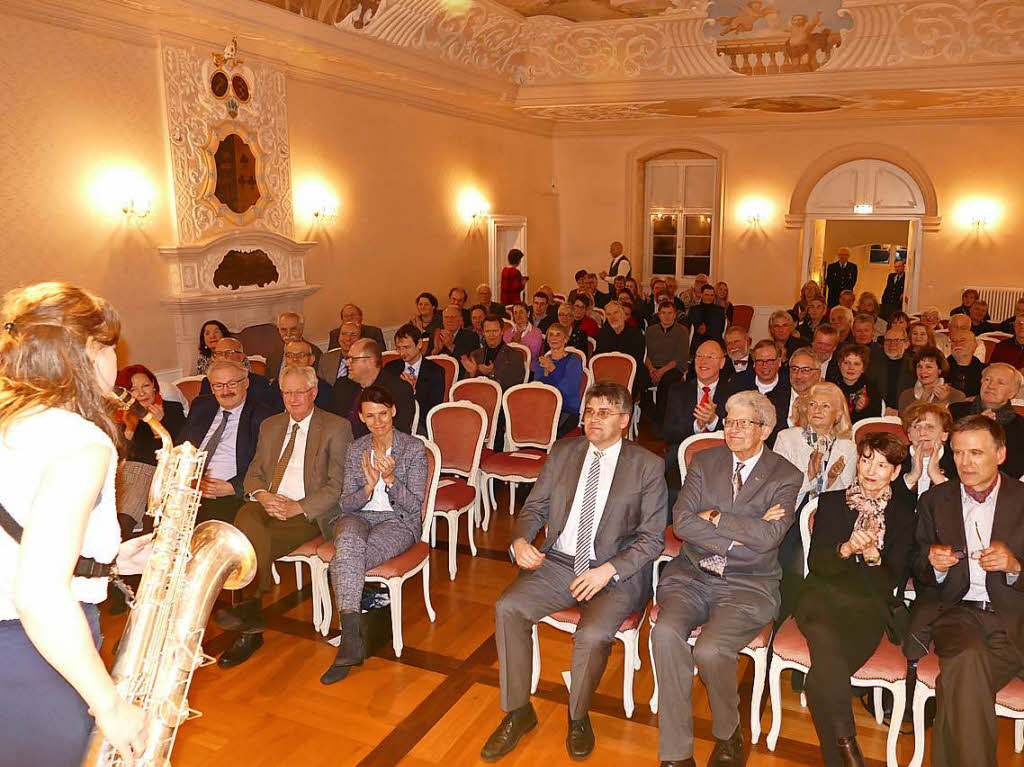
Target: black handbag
[(898, 620)]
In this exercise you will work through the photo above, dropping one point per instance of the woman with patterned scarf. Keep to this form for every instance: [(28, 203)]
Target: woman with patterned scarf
[(861, 540)]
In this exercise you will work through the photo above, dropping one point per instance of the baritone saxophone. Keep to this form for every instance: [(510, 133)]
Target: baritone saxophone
[(162, 643)]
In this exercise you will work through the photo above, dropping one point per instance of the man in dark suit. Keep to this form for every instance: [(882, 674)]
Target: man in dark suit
[(1000, 383), (352, 313), (1011, 350), (457, 297), (226, 426), (365, 370), (826, 340), (616, 336), (707, 319), (298, 354), (425, 376), (601, 501), (773, 382), (290, 327), (895, 289), (452, 338), (484, 296), (333, 364), (541, 314), (293, 482), (970, 596), (840, 275), (1008, 325), (863, 332), (495, 359), (735, 507), (896, 372), (739, 367), (259, 387), (979, 318)]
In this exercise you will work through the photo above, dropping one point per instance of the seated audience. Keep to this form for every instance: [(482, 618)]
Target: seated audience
[(426, 377), (804, 372), (484, 298), (427, 318), (867, 303), (920, 336), (859, 389), (599, 297), (668, 355), (964, 366), (1000, 384), (930, 461), (226, 425), (1007, 325), (900, 319), (259, 387), (860, 549), (352, 313), (979, 318), (632, 320), (772, 383), (616, 336), (513, 283), (457, 297), (334, 363), (841, 319), (293, 482), (209, 334), (930, 368), (722, 299), (298, 354), (863, 332), (477, 315), (739, 369), (846, 299), (695, 405), (813, 317), (782, 329), (452, 338), (963, 322), (290, 327), (378, 516), (825, 343), (577, 339), (581, 319), (542, 311), (724, 580), (1011, 350), (564, 371), (693, 295), (364, 371), (810, 289), (930, 319), (495, 359), (523, 332), (706, 318), (896, 372), (672, 291), (967, 299), (970, 536)]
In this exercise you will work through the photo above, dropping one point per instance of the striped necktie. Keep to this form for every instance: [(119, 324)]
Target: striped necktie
[(584, 535), (282, 462)]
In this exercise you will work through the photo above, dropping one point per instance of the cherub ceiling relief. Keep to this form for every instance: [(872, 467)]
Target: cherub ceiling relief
[(764, 37)]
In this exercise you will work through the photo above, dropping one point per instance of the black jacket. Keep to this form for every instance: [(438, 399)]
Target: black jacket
[(429, 389), (683, 397), (144, 443), (200, 416), (346, 392), (837, 279), (259, 390)]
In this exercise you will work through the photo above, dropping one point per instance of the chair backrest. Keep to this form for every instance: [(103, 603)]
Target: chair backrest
[(597, 314), (585, 381), (531, 415), (433, 480), (690, 446), (591, 345), (450, 365), (887, 423), (483, 392), (614, 366), (527, 358), (807, 527), (458, 430), (579, 353), (262, 339), (257, 365), (559, 298), (742, 316), (189, 386), (386, 357), (990, 345)]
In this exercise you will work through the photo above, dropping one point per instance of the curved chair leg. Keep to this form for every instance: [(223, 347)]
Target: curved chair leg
[(453, 541), (511, 498), (899, 703), (1018, 735), (629, 641), (803, 699), (490, 490), (535, 679), (395, 591), (426, 592), (274, 574), (314, 582), (433, 532), (485, 496), (326, 599), (654, 671), (877, 698), (469, 528), (760, 659), (775, 694), (298, 575), (921, 695)]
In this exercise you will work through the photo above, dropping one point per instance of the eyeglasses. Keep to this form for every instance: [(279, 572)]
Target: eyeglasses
[(228, 353), (227, 384), (590, 414), (296, 355), (363, 357), (297, 392), (801, 369), (769, 361), (740, 423)]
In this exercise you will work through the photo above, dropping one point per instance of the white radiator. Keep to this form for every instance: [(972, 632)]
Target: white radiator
[(1001, 301)]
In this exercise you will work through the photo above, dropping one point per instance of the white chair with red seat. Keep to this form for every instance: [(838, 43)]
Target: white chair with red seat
[(617, 367), (887, 423), (486, 393), (189, 387), (692, 445), (450, 365), (527, 356)]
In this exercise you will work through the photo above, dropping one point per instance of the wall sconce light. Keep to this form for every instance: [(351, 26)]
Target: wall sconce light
[(863, 209), (315, 200), (978, 212), (754, 211), (473, 206), (125, 190)]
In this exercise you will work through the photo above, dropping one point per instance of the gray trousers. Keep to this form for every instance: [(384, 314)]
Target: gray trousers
[(731, 614), (363, 540), (540, 592)]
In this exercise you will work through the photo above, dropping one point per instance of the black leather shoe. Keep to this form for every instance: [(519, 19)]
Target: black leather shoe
[(241, 650), (579, 741), (334, 674), (849, 752), (679, 763), (728, 753), (505, 738), (245, 616)]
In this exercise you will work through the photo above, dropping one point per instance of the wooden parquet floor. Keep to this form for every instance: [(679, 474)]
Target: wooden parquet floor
[(437, 704)]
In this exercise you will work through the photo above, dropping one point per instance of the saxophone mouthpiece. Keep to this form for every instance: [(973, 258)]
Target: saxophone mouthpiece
[(126, 401)]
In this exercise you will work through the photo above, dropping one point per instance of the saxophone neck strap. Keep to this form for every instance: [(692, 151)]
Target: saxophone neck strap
[(85, 567)]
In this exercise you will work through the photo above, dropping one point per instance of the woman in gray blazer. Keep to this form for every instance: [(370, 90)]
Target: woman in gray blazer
[(378, 516)]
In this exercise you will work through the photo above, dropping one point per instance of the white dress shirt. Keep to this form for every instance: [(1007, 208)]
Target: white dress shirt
[(764, 388), (978, 518), (741, 365), (824, 368), (379, 500), (793, 394), (415, 373), (293, 484), (713, 423), (748, 466), (223, 465), (566, 543)]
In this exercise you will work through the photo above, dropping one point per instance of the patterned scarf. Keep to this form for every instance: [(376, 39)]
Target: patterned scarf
[(870, 511), (826, 443)]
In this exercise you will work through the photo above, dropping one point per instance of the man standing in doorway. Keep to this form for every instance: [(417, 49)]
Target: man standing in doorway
[(894, 296), (839, 276)]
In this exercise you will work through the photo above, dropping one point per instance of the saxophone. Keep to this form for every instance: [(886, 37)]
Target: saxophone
[(162, 643)]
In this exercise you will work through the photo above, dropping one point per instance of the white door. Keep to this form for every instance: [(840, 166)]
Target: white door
[(503, 234)]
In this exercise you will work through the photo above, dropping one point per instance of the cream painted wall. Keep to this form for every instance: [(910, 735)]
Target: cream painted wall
[(963, 160)]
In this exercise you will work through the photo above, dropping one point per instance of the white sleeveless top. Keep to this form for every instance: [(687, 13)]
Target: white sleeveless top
[(31, 443)]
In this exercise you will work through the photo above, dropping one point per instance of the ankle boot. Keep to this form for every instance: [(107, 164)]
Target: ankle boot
[(849, 751), (350, 649)]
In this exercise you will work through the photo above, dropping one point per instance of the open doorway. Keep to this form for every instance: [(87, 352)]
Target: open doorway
[(503, 234)]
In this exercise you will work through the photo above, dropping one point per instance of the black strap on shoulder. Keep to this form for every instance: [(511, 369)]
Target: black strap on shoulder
[(85, 567)]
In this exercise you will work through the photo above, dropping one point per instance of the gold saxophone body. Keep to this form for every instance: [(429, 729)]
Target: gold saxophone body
[(162, 643)]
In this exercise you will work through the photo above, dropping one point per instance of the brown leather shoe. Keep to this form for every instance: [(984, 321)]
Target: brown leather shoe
[(728, 753), (505, 738), (849, 751), (579, 741)]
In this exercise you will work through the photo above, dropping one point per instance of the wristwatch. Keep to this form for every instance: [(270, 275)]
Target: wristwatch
[(713, 517)]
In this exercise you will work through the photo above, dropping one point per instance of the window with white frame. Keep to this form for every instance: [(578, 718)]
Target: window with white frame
[(679, 207)]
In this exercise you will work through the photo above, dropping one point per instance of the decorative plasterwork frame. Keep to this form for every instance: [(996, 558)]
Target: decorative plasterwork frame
[(197, 120)]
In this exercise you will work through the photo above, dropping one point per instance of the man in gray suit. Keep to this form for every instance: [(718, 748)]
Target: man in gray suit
[(735, 507), (603, 501), (293, 482)]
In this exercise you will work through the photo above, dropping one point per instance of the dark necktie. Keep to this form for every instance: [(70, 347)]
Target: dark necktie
[(282, 462), (714, 564), (214, 442), (587, 509)]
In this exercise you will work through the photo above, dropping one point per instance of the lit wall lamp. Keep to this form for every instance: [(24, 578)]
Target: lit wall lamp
[(978, 212), (125, 190), (863, 209), (754, 211), (314, 199), (473, 207)]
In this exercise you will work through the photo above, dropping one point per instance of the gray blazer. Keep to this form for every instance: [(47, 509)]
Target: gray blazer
[(708, 485), (406, 492), (327, 367), (508, 366), (632, 529)]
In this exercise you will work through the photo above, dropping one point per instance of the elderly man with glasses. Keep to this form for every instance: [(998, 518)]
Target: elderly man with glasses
[(365, 370), (226, 425), (231, 349), (299, 354)]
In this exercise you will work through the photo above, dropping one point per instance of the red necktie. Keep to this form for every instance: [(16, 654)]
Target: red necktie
[(706, 399)]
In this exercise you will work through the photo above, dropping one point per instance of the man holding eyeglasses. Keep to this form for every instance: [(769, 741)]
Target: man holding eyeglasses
[(231, 349), (299, 354), (601, 501), (735, 507), (365, 370), (226, 425)]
